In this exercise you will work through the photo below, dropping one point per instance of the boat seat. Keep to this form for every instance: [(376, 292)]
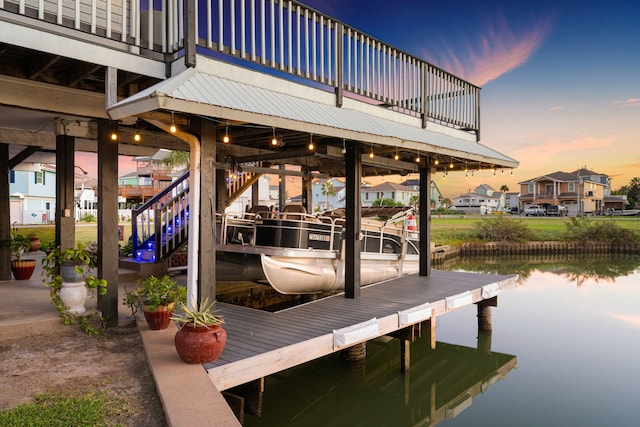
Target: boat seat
[(261, 210), (294, 212)]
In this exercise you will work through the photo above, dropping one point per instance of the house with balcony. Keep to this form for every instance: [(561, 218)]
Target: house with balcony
[(581, 192), (247, 88)]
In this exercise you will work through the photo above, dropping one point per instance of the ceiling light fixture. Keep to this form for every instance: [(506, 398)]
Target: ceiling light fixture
[(225, 138), (173, 127)]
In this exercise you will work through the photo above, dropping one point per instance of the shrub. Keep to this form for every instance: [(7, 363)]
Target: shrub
[(500, 229), (584, 230)]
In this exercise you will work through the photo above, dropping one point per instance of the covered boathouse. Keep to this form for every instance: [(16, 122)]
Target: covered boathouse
[(241, 85)]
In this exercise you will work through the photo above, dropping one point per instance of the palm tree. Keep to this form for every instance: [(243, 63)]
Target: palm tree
[(327, 190), (504, 188), (176, 159)]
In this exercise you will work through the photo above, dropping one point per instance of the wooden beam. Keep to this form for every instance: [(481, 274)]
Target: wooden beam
[(65, 203), (5, 221), (108, 222), (424, 263), (352, 227), (207, 259), (22, 156)]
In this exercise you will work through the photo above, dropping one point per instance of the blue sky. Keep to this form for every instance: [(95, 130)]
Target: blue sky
[(560, 79)]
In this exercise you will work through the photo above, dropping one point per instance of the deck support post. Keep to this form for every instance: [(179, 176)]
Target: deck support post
[(431, 324), (352, 232), (5, 221), (484, 313), (107, 222), (424, 225), (355, 352), (65, 199), (405, 355)]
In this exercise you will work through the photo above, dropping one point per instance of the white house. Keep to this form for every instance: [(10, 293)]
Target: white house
[(388, 190), (473, 203), (325, 202)]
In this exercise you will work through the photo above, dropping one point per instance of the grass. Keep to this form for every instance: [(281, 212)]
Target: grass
[(85, 232), (451, 230), (92, 409)]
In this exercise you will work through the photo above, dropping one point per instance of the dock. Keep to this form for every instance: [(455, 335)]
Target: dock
[(261, 343)]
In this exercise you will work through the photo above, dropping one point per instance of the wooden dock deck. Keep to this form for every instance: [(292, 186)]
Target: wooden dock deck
[(261, 343)]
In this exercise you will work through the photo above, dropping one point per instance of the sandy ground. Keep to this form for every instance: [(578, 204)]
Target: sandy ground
[(63, 360)]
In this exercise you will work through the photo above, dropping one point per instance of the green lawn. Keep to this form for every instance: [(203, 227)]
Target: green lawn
[(448, 229)]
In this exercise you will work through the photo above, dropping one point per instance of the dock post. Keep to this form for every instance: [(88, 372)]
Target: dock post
[(484, 313), (355, 352), (484, 342), (405, 355), (431, 323)]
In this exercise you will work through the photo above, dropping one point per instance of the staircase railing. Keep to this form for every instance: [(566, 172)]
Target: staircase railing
[(160, 226)]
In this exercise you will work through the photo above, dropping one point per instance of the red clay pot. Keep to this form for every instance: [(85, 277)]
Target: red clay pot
[(23, 269), (160, 318), (200, 344)]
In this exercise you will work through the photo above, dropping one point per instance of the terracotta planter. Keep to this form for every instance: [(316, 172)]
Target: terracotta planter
[(160, 318), (35, 244), (200, 344), (23, 269)]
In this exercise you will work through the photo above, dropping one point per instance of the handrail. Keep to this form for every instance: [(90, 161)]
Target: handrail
[(281, 37), (165, 218)]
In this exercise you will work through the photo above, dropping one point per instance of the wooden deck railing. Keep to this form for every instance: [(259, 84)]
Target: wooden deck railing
[(278, 36)]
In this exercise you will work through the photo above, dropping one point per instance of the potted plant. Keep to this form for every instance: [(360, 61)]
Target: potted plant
[(22, 269), (157, 298), (200, 337), (34, 242), (68, 274)]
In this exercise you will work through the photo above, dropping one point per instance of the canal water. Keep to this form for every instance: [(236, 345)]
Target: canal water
[(564, 351)]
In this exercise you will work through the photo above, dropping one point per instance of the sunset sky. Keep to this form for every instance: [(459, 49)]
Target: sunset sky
[(560, 79)]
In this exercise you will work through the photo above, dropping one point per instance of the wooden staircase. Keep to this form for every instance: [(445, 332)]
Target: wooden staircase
[(160, 227)]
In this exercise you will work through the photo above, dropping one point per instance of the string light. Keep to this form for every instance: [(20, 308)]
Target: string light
[(136, 136), (344, 147), (114, 132), (451, 164), (274, 140), (311, 146), (225, 138), (396, 157), (371, 153), (173, 127), (437, 162)]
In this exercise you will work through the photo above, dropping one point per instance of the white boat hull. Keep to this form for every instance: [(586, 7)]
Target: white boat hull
[(313, 275)]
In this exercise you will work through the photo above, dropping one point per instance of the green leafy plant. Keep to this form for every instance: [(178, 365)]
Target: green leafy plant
[(84, 258), (153, 292), (198, 315), (18, 243)]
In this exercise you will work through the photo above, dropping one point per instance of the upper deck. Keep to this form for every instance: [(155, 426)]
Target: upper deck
[(283, 38)]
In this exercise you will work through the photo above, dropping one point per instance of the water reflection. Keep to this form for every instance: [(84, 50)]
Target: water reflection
[(575, 267), (441, 383)]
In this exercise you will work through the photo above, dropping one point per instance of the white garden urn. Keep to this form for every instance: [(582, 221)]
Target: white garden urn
[(74, 295)]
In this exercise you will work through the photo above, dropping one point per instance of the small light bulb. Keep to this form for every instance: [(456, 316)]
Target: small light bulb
[(311, 146), (371, 155), (225, 139), (137, 137), (274, 141), (173, 128), (114, 136), (396, 157), (417, 159), (436, 162)]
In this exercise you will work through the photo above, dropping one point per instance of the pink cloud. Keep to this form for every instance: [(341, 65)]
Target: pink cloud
[(629, 319), (497, 51), (631, 102)]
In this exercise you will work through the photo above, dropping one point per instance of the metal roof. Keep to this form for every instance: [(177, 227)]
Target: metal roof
[(199, 93)]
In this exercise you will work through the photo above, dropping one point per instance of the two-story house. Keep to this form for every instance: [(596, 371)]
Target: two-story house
[(388, 190), (581, 191), (32, 194)]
